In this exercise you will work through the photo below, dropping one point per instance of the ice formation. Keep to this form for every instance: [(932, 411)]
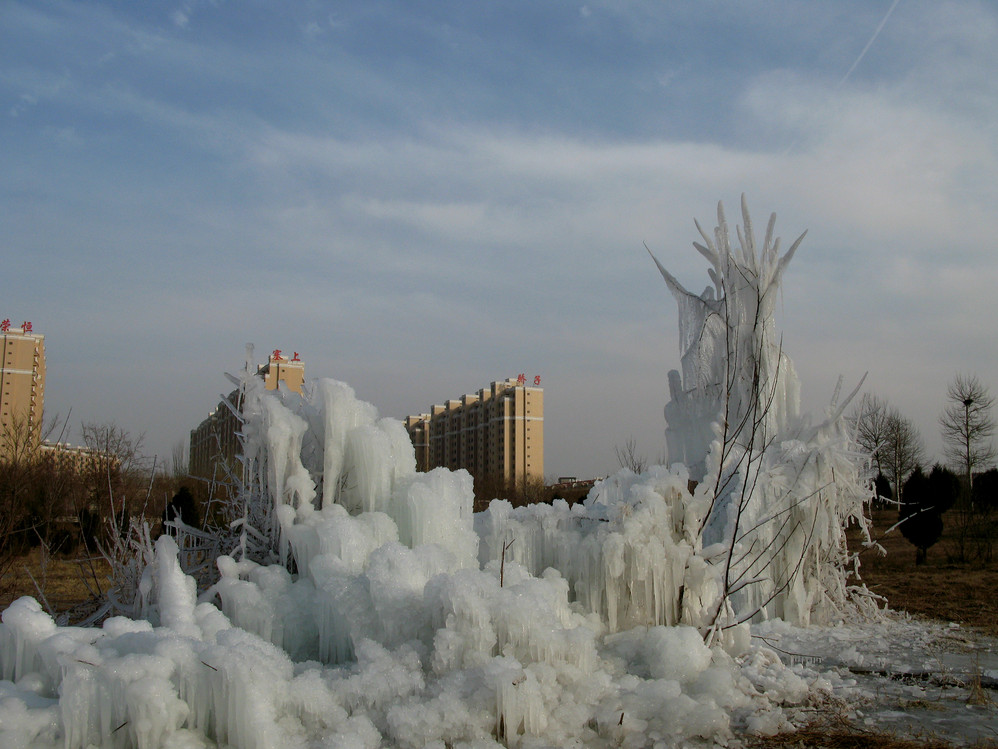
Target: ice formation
[(751, 526), (781, 491), (362, 604)]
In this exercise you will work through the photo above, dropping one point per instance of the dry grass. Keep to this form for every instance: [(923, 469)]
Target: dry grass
[(938, 589), (825, 737), (65, 582)]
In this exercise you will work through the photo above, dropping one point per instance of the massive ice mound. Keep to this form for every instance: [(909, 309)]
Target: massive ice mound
[(360, 603)]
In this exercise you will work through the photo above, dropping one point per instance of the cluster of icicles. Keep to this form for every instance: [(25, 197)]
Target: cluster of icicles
[(365, 604), (406, 622)]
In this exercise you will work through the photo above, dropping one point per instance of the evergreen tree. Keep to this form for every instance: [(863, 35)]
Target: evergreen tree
[(921, 522), (883, 493), (944, 488), (986, 491), (183, 507)]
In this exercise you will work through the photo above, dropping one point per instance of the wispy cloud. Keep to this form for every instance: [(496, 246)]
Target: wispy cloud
[(364, 182)]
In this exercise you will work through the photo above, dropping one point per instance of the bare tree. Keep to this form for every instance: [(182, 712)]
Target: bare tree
[(116, 469), (18, 467), (526, 491), (35, 492), (902, 451), (871, 419), (968, 425), (178, 461), (892, 440), (627, 456), (116, 484)]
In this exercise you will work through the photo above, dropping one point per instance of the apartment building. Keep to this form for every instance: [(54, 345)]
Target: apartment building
[(22, 401), (497, 432), (215, 441), (22, 380)]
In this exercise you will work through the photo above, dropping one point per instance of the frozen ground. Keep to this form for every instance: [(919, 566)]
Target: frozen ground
[(913, 678)]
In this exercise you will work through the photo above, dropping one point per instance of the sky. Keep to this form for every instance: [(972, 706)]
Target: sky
[(422, 197)]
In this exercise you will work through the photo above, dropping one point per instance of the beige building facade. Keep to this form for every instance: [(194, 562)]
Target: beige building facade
[(215, 441), (496, 433), (283, 368), (22, 399), (22, 380)]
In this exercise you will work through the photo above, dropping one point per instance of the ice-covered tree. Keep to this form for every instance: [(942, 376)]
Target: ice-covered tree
[(871, 421), (778, 489)]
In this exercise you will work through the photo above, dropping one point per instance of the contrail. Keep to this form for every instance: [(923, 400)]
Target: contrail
[(869, 43), (859, 59)]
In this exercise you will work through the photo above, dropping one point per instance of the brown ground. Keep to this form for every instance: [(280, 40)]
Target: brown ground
[(66, 582), (939, 589), (850, 737)]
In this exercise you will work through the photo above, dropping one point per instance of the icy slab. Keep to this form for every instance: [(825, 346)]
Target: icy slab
[(25, 626), (436, 508), (899, 675)]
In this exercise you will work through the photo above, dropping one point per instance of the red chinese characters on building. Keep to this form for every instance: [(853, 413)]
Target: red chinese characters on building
[(26, 326), (5, 325), (295, 357), (276, 356), (521, 380)]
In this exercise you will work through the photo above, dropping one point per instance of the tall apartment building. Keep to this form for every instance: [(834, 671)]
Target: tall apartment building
[(22, 399), (215, 441), (22, 379), (496, 433)]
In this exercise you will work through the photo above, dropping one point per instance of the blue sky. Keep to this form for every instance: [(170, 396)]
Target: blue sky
[(421, 198)]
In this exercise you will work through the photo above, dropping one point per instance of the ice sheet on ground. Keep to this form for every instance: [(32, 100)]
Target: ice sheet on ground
[(900, 675)]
